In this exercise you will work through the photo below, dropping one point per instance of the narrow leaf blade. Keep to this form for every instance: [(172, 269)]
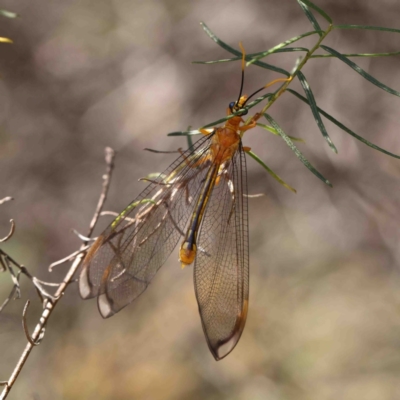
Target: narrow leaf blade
[(189, 138), (223, 60), (238, 53), (360, 71), (269, 170), (318, 10), (282, 45), (367, 27), (313, 105), (296, 151), (184, 133), (389, 54), (310, 16), (274, 132), (345, 128)]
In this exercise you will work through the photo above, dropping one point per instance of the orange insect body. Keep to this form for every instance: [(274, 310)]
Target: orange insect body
[(224, 144)]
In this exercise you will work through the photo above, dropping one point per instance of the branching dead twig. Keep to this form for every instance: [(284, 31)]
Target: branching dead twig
[(68, 258), (12, 230), (51, 302), (7, 263), (25, 327), (15, 291), (82, 237)]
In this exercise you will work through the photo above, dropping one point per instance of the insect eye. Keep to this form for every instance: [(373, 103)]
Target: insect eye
[(231, 105)]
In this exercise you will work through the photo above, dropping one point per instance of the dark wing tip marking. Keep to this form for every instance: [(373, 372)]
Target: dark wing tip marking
[(225, 346)]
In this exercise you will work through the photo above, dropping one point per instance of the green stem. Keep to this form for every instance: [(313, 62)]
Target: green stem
[(281, 90)]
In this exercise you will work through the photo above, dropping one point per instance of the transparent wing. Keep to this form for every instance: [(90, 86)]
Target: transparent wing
[(126, 256), (221, 272)]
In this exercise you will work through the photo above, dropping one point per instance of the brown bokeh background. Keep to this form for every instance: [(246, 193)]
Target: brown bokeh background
[(324, 319)]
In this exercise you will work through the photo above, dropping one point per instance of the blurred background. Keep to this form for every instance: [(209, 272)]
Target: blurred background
[(324, 318)]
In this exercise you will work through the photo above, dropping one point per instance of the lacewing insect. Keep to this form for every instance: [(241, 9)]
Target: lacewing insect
[(201, 199)]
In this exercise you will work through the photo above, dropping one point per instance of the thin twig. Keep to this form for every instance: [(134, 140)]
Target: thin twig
[(82, 237), (25, 327), (115, 214), (50, 305), (8, 298), (12, 230), (5, 261), (37, 283), (154, 181), (161, 151), (112, 213), (66, 259), (5, 199), (254, 196), (110, 154)]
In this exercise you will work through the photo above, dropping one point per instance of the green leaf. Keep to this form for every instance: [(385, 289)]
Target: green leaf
[(8, 14), (189, 141), (296, 151), (314, 109), (184, 133), (153, 176), (129, 208), (291, 49), (274, 132), (281, 45), (223, 60), (269, 170), (345, 128), (219, 121), (317, 9), (310, 17), (238, 53), (189, 138), (161, 151), (258, 100), (359, 70), (367, 27), (394, 53)]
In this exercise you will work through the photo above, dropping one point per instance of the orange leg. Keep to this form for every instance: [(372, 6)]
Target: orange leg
[(245, 128), (278, 80), (252, 124)]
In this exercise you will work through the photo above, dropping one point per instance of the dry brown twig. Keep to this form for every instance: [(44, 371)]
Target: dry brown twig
[(49, 301)]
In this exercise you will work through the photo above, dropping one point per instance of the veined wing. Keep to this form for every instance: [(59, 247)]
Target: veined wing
[(125, 257), (221, 272)]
